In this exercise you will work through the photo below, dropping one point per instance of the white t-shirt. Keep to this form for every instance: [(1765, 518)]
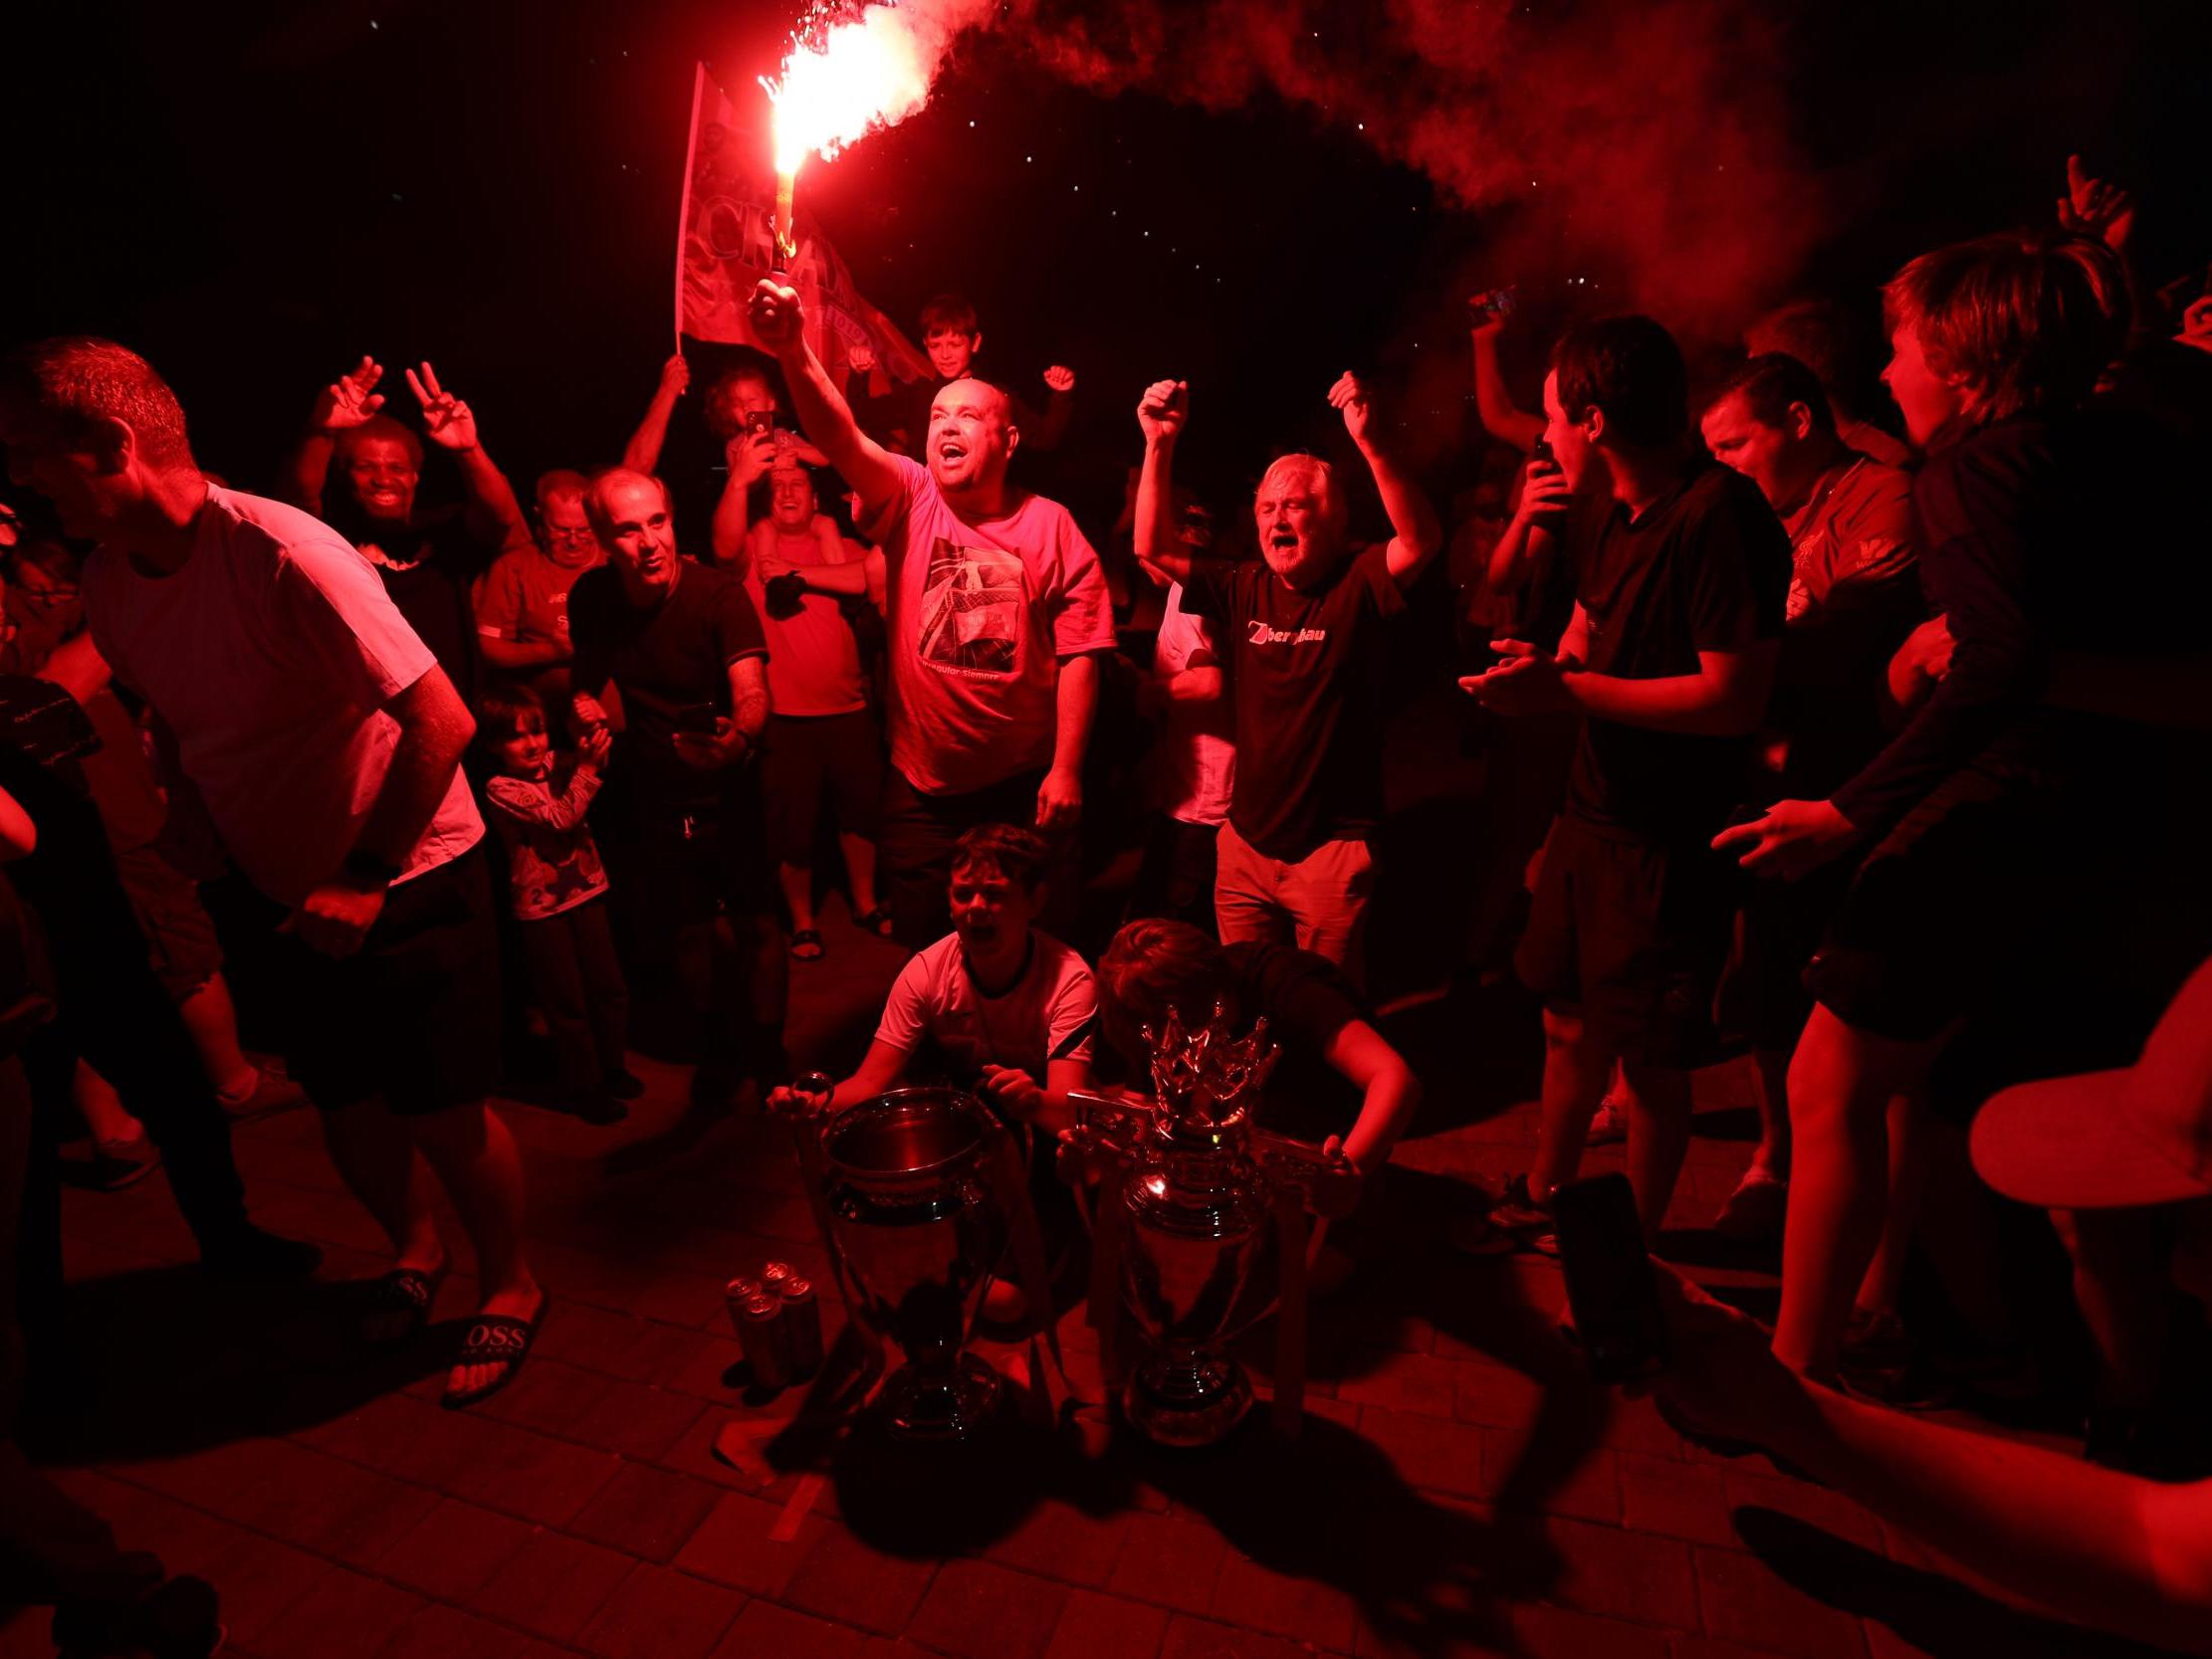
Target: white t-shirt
[(1198, 750), (1051, 1005), (271, 655)]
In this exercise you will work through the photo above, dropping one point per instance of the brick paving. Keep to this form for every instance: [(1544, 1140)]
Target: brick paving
[(1458, 1490)]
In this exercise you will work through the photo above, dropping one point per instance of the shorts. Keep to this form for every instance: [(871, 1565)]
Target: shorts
[(180, 935), (1633, 935), (804, 752), (1966, 882), (413, 1016), (1762, 994)]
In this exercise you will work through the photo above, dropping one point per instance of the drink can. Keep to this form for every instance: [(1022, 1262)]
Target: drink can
[(802, 1323), (774, 1275), (766, 1349), (735, 1294)]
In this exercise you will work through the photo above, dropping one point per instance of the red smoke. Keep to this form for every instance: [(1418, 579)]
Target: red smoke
[(1642, 145)]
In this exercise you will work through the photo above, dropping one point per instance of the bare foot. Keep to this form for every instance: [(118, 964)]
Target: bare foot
[(396, 1317)]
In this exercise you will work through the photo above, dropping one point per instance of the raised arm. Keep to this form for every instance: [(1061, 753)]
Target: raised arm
[(495, 517), (642, 453), (824, 415), (345, 402), (1493, 405), (1161, 413), (1416, 535), (1532, 535)]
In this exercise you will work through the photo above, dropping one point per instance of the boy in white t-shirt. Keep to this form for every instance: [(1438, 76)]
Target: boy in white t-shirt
[(998, 1003)]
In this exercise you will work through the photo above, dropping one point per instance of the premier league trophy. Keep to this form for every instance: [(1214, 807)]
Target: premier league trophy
[(1191, 1194), (910, 1191)]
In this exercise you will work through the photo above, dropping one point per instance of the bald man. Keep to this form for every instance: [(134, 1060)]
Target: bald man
[(998, 610), (684, 645), (1306, 636)]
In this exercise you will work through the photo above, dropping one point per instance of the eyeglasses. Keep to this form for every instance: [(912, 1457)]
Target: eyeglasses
[(570, 537)]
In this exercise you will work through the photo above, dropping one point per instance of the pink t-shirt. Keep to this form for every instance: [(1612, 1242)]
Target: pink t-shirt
[(1197, 748), (270, 656), (1043, 1015), (814, 658), (979, 617)]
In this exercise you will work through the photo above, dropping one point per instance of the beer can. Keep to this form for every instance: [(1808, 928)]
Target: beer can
[(767, 1347), (774, 1275), (802, 1323), (735, 1294)]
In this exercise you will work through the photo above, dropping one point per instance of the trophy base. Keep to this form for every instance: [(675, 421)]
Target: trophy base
[(1188, 1399), (947, 1406)]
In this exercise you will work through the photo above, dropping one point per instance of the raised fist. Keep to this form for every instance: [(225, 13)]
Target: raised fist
[(1350, 396), (1162, 410), (1060, 378), (777, 322)]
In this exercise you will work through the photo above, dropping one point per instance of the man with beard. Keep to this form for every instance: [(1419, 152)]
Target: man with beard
[(428, 557), (997, 607), (1308, 643)]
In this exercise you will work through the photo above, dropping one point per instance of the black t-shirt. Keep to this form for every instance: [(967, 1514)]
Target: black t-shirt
[(1307, 672), (1705, 569), (671, 662), (428, 568), (1306, 1000)]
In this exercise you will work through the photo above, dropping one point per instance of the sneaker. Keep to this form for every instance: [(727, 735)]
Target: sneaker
[(1611, 1124), (1880, 1361), (597, 1106), (1754, 1213), (274, 1091), (1525, 1217), (116, 1164)]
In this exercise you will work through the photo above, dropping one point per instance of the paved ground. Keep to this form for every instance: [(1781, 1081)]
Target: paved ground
[(1458, 1488)]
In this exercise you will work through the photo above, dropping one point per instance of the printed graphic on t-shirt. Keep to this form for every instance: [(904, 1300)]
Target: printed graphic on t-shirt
[(972, 609)]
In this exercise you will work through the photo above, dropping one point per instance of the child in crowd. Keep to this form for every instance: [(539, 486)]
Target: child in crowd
[(559, 891), (997, 1003)]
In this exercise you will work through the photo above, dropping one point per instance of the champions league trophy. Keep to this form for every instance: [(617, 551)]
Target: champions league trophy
[(915, 1192), (1190, 1193)]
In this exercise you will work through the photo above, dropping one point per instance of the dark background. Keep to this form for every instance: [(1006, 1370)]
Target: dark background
[(255, 194)]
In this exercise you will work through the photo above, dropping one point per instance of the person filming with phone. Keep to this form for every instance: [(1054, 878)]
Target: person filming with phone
[(682, 646)]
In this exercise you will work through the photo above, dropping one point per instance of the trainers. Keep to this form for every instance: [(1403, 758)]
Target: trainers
[(1611, 1124), (1526, 1217), (274, 1091), (1754, 1213), (115, 1165)]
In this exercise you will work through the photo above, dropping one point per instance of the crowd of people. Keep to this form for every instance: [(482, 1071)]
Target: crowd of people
[(1870, 751)]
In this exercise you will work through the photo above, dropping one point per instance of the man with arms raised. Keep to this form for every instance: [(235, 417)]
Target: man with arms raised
[(326, 740), (1307, 649), (997, 609)]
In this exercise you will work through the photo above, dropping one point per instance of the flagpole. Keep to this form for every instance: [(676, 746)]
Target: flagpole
[(683, 212)]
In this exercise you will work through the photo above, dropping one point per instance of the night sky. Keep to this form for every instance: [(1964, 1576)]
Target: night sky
[(253, 194)]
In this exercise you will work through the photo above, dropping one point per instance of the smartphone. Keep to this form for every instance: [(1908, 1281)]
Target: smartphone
[(697, 719), (758, 421), (1610, 1285), (1494, 306)]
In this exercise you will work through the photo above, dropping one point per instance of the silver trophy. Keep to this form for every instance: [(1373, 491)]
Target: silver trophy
[(910, 1190), (1191, 1198)]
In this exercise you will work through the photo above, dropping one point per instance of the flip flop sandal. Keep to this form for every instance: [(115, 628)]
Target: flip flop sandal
[(806, 945), (404, 1290), (876, 921), (494, 1338)]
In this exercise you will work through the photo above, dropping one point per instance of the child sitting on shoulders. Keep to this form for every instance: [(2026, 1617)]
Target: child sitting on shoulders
[(558, 887)]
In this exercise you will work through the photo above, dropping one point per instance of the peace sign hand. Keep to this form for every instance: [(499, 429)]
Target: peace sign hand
[(350, 399), (445, 418)]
